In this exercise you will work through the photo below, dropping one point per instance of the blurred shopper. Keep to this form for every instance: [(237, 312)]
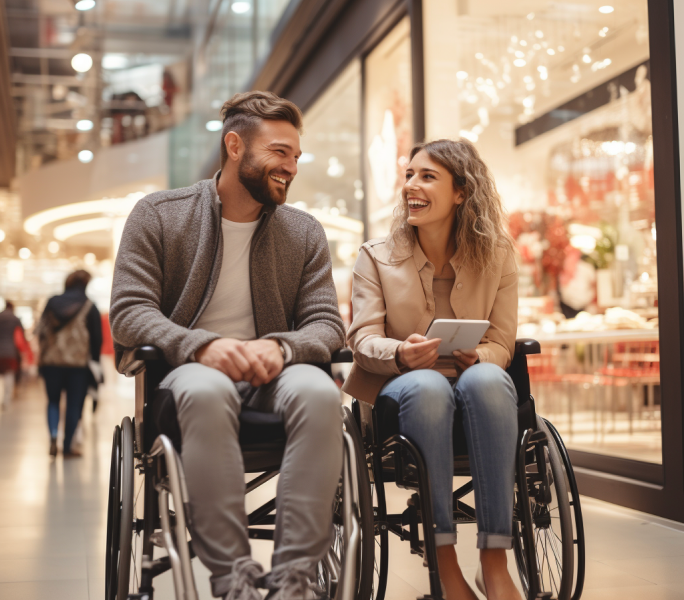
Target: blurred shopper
[(11, 341), (70, 336)]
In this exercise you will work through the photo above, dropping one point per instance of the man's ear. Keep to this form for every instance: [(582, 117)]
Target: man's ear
[(234, 145)]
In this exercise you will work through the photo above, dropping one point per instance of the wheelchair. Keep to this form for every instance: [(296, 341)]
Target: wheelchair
[(149, 505), (548, 530)]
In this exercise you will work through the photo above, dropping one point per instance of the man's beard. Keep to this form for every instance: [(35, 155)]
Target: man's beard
[(255, 179)]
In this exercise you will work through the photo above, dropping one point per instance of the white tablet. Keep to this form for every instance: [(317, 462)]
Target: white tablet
[(457, 334)]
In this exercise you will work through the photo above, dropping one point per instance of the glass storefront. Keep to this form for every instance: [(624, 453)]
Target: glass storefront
[(328, 183), (557, 99), (389, 114)]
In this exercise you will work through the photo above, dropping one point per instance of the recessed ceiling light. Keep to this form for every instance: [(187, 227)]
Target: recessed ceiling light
[(84, 4), (606, 10), (306, 157), (24, 253), (84, 125), (82, 63), (214, 125), (519, 62), (462, 75), (85, 156), (240, 8), (586, 58), (53, 247), (551, 51), (2, 235)]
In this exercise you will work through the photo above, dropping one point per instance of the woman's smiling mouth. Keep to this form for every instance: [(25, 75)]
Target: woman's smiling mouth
[(417, 204)]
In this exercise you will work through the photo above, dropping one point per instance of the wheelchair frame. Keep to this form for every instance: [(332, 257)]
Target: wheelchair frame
[(159, 463), (411, 473)]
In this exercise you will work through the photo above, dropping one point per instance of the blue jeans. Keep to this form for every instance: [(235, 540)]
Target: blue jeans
[(485, 399), (75, 381)]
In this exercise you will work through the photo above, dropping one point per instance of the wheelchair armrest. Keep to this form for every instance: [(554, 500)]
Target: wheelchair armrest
[(343, 355), (527, 346), (133, 360)]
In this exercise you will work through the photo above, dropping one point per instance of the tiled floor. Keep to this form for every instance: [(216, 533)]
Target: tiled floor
[(53, 522)]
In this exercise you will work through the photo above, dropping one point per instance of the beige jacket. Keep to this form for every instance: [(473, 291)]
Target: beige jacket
[(392, 299)]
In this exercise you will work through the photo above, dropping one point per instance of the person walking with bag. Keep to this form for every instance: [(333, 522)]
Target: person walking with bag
[(70, 336), (12, 341)]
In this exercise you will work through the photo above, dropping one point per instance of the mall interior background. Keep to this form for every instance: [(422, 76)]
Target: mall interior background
[(107, 101)]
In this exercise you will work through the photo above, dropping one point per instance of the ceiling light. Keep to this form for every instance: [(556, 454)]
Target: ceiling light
[(114, 61), (550, 51), (469, 135), (462, 75), (606, 10), (84, 4), (335, 167), (85, 156), (240, 8), (2, 235), (53, 247), (530, 16), (24, 253), (64, 232), (84, 125), (479, 56), (89, 259), (586, 58), (119, 207), (523, 42), (519, 62), (82, 62), (561, 48), (305, 158), (214, 125), (520, 54), (539, 33)]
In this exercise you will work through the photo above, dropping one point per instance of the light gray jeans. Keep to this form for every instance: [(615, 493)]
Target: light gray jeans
[(208, 405)]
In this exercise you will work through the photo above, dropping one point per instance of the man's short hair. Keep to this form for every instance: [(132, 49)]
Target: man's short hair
[(9, 305), (244, 112), (77, 279)]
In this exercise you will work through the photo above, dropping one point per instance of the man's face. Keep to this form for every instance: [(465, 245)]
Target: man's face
[(269, 163)]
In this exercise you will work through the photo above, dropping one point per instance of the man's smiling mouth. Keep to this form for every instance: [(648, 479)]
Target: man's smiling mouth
[(279, 179)]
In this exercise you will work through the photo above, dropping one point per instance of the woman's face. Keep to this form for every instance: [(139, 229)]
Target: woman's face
[(429, 192)]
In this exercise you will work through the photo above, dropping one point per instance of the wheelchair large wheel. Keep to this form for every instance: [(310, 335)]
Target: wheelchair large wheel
[(574, 499), (381, 547), (120, 513), (552, 532), (330, 568)]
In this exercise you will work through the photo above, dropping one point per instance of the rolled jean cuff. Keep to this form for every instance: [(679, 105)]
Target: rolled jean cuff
[(494, 540), (445, 539)]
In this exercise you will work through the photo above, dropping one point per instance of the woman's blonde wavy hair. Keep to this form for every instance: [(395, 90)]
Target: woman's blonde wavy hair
[(480, 226)]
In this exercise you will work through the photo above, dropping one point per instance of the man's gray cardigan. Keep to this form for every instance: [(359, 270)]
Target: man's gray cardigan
[(169, 262)]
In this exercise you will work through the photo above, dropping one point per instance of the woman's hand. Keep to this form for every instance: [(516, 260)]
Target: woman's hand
[(417, 352), (465, 358)]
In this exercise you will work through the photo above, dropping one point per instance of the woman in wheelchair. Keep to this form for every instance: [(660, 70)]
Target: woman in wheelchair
[(448, 256)]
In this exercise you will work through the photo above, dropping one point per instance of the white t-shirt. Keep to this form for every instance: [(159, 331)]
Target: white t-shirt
[(230, 312)]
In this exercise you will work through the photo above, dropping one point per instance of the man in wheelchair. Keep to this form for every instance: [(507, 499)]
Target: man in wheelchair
[(236, 289)]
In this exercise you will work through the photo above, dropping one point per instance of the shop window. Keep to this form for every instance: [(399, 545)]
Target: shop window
[(388, 130), (328, 183), (557, 99)]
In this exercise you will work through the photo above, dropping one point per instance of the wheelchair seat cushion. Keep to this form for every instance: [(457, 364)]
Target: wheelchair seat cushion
[(256, 428), (387, 411)]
